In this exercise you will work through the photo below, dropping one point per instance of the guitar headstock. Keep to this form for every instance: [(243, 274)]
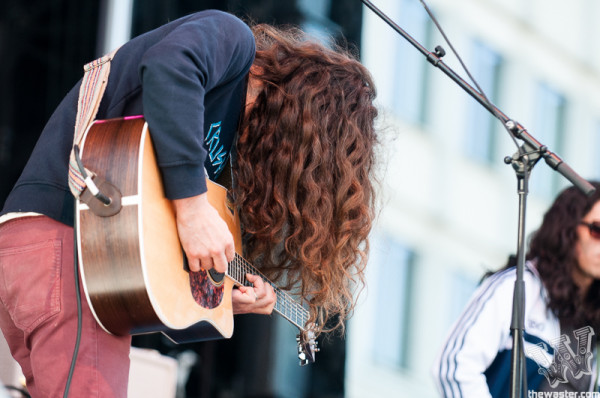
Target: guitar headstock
[(307, 346)]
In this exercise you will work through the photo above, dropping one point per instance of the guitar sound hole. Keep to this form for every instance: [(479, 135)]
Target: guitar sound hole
[(205, 292), (217, 277)]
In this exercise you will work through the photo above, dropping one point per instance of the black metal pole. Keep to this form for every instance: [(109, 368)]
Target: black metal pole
[(523, 162)]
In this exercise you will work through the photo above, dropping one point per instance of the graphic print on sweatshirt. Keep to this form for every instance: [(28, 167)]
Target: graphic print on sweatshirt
[(217, 154)]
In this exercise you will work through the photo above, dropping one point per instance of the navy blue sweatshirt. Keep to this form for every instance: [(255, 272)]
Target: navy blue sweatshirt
[(188, 78)]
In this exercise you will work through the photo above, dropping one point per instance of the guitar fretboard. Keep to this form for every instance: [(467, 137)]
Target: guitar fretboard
[(286, 306)]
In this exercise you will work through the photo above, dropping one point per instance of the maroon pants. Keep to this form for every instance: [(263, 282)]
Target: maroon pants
[(38, 315)]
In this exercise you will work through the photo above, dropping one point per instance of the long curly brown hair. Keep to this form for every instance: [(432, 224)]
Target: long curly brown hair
[(304, 170), (553, 248)]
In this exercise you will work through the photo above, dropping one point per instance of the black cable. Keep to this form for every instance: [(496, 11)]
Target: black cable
[(79, 316), (99, 195)]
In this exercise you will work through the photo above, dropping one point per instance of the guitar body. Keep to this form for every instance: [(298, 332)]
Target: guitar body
[(132, 265)]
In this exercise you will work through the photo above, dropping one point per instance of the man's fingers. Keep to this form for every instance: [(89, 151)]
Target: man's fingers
[(220, 263), (204, 235), (193, 264), (230, 252), (256, 281), (206, 263), (262, 290)]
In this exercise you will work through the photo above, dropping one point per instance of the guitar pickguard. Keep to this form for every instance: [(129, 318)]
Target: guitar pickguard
[(204, 291)]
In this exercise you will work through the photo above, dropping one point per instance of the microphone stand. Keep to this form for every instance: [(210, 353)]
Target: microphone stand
[(523, 161)]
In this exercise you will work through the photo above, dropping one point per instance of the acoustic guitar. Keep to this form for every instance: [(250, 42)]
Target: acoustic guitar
[(134, 271)]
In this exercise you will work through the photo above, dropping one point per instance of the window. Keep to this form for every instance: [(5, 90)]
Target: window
[(410, 66), (480, 126), (395, 274), (316, 19), (549, 115)]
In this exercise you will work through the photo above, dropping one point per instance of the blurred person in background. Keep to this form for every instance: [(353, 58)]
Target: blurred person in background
[(562, 312)]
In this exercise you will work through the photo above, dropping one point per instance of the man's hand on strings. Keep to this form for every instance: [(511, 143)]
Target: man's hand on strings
[(258, 299)]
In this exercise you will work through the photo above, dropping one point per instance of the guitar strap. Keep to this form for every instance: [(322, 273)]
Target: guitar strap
[(91, 91)]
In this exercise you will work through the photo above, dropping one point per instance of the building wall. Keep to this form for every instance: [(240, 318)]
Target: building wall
[(449, 209)]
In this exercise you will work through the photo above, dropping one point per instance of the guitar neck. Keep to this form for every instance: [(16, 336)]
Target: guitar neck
[(285, 305)]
